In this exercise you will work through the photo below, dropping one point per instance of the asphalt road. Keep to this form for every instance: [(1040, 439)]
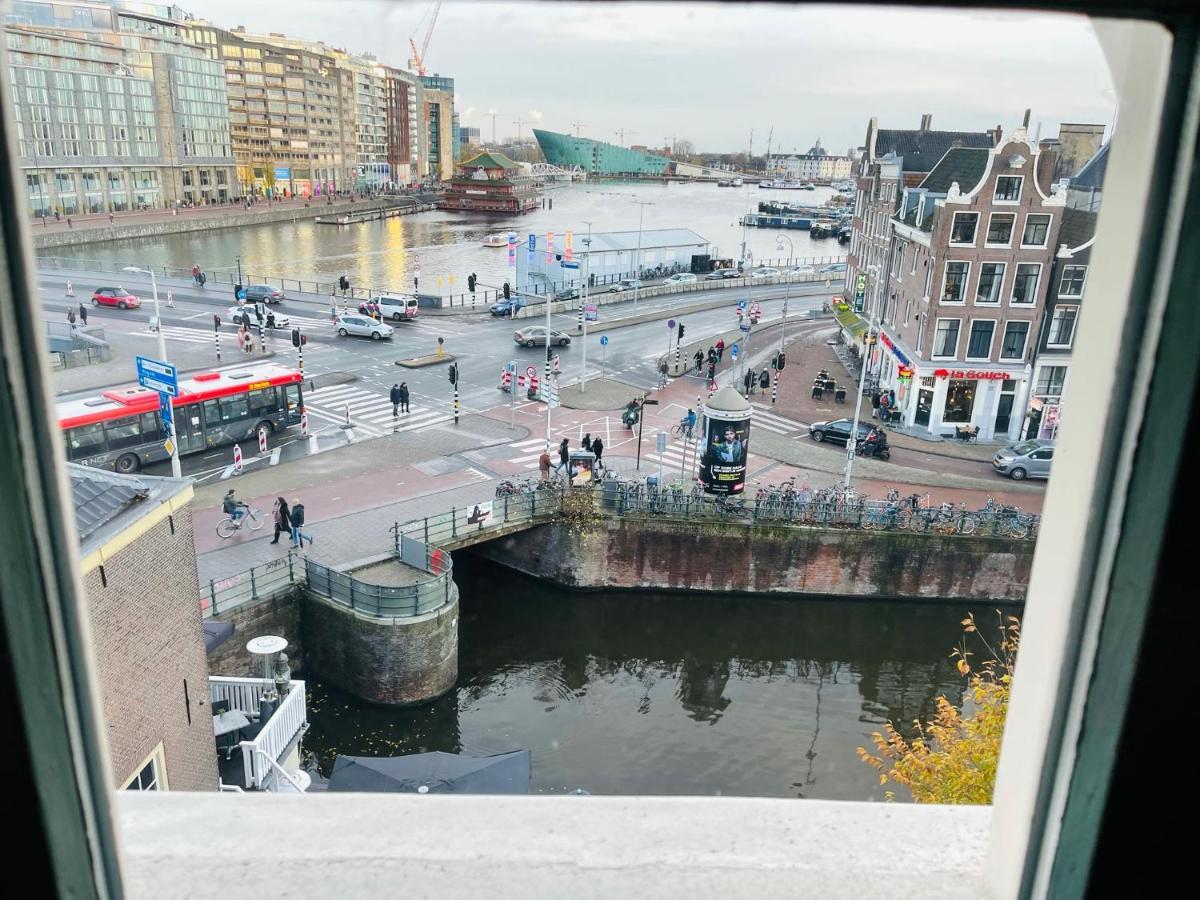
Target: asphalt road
[(480, 344)]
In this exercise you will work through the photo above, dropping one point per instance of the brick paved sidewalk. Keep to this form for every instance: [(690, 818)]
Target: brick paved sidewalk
[(810, 353)]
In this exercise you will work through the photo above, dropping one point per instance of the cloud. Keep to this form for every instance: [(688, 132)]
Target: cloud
[(536, 114)]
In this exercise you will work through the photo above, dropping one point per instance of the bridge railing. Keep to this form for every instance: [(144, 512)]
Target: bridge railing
[(464, 524)]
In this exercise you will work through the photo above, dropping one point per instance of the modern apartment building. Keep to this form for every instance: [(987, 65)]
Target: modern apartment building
[(439, 121), (115, 111), (972, 249)]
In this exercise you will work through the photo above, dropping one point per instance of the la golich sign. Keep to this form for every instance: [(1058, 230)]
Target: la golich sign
[(969, 374)]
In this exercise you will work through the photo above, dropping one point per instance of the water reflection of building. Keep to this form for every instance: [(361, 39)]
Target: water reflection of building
[(701, 688)]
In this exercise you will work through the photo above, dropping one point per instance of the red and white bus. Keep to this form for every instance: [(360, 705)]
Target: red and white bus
[(121, 428)]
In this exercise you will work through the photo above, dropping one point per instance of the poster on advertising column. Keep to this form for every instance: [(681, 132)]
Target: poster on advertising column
[(726, 443)]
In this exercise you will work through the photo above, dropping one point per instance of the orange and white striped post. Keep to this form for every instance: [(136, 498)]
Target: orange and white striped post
[(237, 459), (262, 441), (304, 421)]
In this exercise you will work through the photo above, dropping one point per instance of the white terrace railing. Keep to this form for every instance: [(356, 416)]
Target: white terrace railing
[(288, 722)]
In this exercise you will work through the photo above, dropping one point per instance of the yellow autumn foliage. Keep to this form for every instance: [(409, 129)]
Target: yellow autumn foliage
[(953, 757)]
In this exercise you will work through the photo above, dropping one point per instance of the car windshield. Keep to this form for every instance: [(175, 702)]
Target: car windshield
[(1024, 448)]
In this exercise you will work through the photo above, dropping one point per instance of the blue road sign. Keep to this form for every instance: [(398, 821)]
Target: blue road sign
[(570, 264), (532, 242), (734, 352), (671, 324), (604, 340), (158, 376), (164, 408), (741, 304), (745, 326)]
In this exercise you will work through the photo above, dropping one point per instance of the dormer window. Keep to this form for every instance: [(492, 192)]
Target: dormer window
[(1008, 189)]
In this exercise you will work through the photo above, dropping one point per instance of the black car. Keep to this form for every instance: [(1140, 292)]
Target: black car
[(567, 294), (837, 431)]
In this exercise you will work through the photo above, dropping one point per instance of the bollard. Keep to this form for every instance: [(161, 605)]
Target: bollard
[(262, 441), (304, 421), (347, 415), (70, 288), (237, 459), (171, 299)]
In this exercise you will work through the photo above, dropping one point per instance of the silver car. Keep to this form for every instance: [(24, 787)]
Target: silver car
[(362, 326), (536, 335), (1028, 459)]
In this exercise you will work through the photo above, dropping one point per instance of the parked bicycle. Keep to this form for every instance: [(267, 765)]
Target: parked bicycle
[(251, 519)]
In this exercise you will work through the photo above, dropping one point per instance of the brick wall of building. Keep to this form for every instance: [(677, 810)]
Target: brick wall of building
[(148, 645), (728, 558)]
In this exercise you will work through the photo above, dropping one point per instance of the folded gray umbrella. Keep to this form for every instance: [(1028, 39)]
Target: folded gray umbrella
[(433, 773)]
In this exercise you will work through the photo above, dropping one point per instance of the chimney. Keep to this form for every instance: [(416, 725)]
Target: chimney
[(1025, 121), (926, 121)]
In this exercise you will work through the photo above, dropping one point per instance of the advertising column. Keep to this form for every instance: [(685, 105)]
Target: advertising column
[(726, 442)]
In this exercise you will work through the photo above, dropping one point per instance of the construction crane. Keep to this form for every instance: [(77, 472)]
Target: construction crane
[(621, 132), (417, 63), (519, 123), (577, 126)]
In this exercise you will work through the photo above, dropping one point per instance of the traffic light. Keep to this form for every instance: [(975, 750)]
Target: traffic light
[(779, 361), (681, 331), (471, 283), (216, 323), (295, 337), (506, 290), (453, 372)]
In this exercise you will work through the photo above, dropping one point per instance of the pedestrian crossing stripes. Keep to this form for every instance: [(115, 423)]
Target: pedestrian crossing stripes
[(775, 423), (370, 413), (527, 452)]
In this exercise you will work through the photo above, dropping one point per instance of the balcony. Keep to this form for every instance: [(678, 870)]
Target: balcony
[(263, 754)]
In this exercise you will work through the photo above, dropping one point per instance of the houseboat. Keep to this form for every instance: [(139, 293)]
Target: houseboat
[(490, 182)]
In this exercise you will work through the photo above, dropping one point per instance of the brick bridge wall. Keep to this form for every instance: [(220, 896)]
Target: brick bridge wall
[(728, 558)]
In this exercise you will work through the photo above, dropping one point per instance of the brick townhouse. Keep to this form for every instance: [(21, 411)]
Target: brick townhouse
[(893, 159), (973, 247)]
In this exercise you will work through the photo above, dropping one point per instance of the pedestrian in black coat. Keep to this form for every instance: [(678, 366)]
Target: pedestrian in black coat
[(394, 396), (598, 449), (404, 396), (283, 519)]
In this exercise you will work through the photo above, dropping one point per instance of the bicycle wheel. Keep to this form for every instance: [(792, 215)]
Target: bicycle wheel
[(966, 524), (1018, 529), (226, 527), (904, 520), (254, 519)]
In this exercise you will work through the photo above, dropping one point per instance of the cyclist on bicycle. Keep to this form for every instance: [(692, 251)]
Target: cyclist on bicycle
[(688, 422), (233, 507)]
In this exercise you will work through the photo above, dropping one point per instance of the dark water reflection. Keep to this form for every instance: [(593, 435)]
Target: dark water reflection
[(622, 693)]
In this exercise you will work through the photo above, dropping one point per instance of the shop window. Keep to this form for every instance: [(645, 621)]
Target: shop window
[(960, 401)]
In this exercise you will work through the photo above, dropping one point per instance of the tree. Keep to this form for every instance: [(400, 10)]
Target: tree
[(953, 757), (269, 177), (684, 150)]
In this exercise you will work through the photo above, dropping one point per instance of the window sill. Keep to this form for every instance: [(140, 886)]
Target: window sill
[(214, 845)]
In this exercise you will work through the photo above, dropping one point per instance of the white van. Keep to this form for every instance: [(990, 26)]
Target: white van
[(397, 307)]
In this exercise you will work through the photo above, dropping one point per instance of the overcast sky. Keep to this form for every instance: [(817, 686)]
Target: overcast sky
[(711, 73)]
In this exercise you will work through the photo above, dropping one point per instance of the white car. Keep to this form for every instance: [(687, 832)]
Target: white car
[(765, 272), (681, 278), (271, 319), (625, 284), (835, 269), (361, 326), (802, 270)]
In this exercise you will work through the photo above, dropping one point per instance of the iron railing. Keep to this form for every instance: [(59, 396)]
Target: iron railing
[(384, 601), (264, 582)]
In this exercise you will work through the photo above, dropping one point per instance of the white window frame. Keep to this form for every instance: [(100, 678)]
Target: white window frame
[(1020, 191), (1036, 285), (933, 354), (966, 283), (907, 311), (1082, 286), (1062, 307), (158, 758), (1012, 231), (930, 266), (914, 260), (991, 341), (1024, 344), (974, 235), (999, 301), (1049, 225)]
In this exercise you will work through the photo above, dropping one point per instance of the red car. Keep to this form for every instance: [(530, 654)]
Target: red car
[(115, 296)]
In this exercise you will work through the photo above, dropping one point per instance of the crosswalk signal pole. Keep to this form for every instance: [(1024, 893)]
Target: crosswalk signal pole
[(217, 335)]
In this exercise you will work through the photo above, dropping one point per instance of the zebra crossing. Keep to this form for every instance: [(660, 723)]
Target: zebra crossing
[(678, 455), (527, 452), (776, 423), (370, 413)]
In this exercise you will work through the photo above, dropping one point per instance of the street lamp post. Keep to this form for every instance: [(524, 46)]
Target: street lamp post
[(787, 283), (239, 262), (162, 355), (637, 260), (587, 268), (852, 444)]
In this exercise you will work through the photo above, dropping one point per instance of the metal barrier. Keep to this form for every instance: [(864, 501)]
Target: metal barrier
[(265, 582), (384, 601)]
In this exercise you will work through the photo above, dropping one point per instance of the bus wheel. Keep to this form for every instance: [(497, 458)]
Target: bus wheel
[(265, 423), (128, 463)]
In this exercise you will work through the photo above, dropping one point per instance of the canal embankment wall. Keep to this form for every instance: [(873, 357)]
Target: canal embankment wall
[(731, 558)]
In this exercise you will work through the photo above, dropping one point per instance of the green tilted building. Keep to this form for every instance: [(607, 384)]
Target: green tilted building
[(597, 157)]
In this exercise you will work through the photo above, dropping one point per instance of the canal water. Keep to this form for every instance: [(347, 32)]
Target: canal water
[(449, 243), (634, 693)]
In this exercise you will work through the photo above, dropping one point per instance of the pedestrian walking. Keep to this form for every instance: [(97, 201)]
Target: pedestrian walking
[(764, 380), (57, 217), (281, 515), (296, 515), (598, 449), (71, 318), (404, 397), (747, 380), (884, 406), (247, 339), (699, 361), (83, 315), (196, 275), (720, 345), (712, 371), (544, 464), (586, 443), (564, 455), (69, 225), (875, 398), (111, 219), (662, 373), (394, 396)]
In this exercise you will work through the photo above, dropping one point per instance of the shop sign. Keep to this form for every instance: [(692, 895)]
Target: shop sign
[(971, 374), (896, 352)]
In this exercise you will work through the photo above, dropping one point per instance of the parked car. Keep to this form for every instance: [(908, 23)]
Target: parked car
[(833, 269), (718, 274), (115, 296), (765, 272), (236, 313), (398, 308), (1028, 459), (681, 278), (255, 292), (571, 293), (802, 270), (837, 431), (625, 284), (536, 335), (506, 307), (361, 326)]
